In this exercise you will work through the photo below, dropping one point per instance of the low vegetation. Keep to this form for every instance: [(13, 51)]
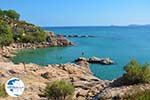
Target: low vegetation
[(2, 91), (59, 90), (136, 73), (14, 30)]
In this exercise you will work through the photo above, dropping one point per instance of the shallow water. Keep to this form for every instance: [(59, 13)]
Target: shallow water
[(119, 43)]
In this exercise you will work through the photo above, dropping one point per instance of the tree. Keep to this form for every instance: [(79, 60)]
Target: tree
[(12, 14), (59, 90)]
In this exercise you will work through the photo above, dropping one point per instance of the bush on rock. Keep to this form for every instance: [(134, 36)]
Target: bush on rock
[(59, 90)]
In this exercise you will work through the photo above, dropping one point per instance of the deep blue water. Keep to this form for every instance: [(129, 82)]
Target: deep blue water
[(119, 43)]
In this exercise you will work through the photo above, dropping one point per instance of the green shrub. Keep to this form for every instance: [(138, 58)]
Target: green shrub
[(136, 73), (38, 37), (59, 90), (143, 95), (6, 37), (30, 34), (27, 39), (2, 90)]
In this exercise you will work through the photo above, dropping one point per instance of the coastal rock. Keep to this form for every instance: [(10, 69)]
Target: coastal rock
[(63, 42), (85, 65), (51, 34), (72, 36), (94, 59), (104, 61), (57, 40), (81, 59)]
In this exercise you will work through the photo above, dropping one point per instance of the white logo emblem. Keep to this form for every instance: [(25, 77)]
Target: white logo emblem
[(14, 87)]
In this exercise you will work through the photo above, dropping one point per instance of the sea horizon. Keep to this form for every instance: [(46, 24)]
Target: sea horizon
[(129, 25)]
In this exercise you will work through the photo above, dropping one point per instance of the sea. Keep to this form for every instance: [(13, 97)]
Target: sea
[(120, 43)]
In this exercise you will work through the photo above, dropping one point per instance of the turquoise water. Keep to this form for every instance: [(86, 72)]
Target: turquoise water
[(119, 43)]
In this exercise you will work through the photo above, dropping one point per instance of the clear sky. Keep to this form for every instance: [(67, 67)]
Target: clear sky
[(81, 12)]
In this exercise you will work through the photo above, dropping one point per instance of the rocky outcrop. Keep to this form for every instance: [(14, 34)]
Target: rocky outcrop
[(61, 41), (104, 61), (58, 40)]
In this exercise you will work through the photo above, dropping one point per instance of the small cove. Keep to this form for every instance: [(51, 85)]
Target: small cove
[(119, 43)]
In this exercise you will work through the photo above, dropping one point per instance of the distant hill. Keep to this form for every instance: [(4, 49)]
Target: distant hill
[(137, 25)]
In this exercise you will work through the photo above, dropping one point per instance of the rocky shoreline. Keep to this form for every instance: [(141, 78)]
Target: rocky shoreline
[(87, 86)]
